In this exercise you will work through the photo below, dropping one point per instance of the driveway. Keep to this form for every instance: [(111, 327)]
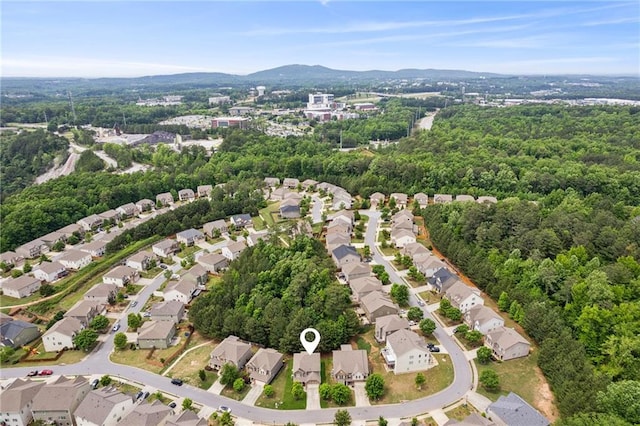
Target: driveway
[(313, 397), (254, 393), (362, 400)]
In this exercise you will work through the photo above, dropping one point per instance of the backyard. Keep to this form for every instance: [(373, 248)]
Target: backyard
[(189, 366), (282, 397)]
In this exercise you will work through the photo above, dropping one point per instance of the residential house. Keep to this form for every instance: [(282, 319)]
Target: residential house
[(512, 410), (414, 250), (402, 237), (473, 419), (306, 368), (377, 304), (349, 365), (102, 293), (165, 248), (145, 205), (16, 400), (204, 190), (61, 334), (402, 220), (406, 352), (272, 182), (121, 276), (345, 254), (505, 344), (340, 224), (356, 270), (148, 414), (57, 401), (360, 287), (90, 222), (487, 199), (291, 183), (156, 334), (186, 195), (75, 259), (421, 199), (389, 324), (84, 311), (463, 297), (335, 239), (164, 199), (264, 366), (71, 229), (442, 198), (483, 319), (400, 199), (10, 258), (186, 418), (213, 262), (52, 238), (95, 248), (20, 287), (290, 209), (309, 184), (5, 318), (198, 274), (428, 265), (253, 239), (189, 236), (110, 216), (103, 407), (465, 198), (49, 271), (442, 279), (182, 290), (241, 220), (231, 350), (217, 226), (126, 210), (233, 249), (140, 261), (16, 333), (170, 310), (341, 200), (377, 199), (32, 249)]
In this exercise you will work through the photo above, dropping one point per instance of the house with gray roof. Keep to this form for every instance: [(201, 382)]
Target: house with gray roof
[(165, 248), (164, 199), (309, 184), (75, 259), (306, 368), (111, 216), (505, 344), (356, 270), (204, 190), (512, 410), (121, 276), (95, 248), (400, 198), (349, 365), (264, 366), (189, 236), (407, 352), (90, 222), (442, 279), (377, 304), (334, 240), (16, 400), (17, 333), (52, 238), (181, 290), (186, 195), (126, 210), (414, 249), (376, 199), (463, 297), (60, 336), (11, 258), (442, 198), (20, 287), (156, 334), (253, 239), (473, 419), (49, 271), (102, 293), (241, 220), (145, 205), (289, 209), (290, 183), (487, 199), (141, 261), (341, 200), (32, 249), (170, 310), (483, 319), (103, 407), (186, 418), (212, 228), (421, 199), (213, 262), (428, 265), (463, 198), (231, 350), (58, 400), (148, 414), (389, 324), (233, 249), (344, 254), (85, 310), (272, 182), (402, 237), (360, 287)]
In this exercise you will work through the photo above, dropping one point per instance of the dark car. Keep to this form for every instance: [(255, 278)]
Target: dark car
[(94, 383), (177, 382), (32, 373), (434, 349), (139, 395), (145, 395), (172, 405), (163, 266)]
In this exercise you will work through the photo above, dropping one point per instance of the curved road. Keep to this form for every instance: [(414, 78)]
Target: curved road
[(98, 363)]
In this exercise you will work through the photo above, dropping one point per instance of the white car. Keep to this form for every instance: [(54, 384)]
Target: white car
[(224, 409)]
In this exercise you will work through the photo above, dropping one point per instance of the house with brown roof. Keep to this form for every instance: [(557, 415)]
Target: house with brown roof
[(52, 238), (121, 276), (126, 210), (414, 249), (103, 407), (32, 249), (75, 259), (377, 304), (181, 290), (215, 227), (57, 401), (11, 258), (170, 310), (156, 334), (389, 324), (463, 296), (148, 414), (231, 350), (16, 400), (421, 199), (406, 352), (505, 344), (145, 205), (309, 184), (377, 199), (49, 271), (306, 368), (110, 216), (233, 249), (360, 287), (290, 183), (141, 261), (213, 262), (353, 271), (483, 319), (95, 248), (462, 198), (402, 237), (186, 195), (204, 190), (349, 365), (186, 418), (428, 265), (487, 199), (102, 293), (336, 239), (61, 334), (165, 248), (264, 366), (272, 182), (84, 311), (20, 287), (164, 199), (90, 222)]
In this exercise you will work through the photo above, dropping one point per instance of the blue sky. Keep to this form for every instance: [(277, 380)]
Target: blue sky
[(120, 38)]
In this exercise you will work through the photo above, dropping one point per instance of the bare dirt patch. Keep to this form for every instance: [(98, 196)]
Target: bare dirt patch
[(544, 398)]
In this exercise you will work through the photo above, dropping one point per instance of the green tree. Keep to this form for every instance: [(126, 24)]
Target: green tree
[(225, 419), (374, 386), (238, 384), (187, 404), (85, 339), (297, 391), (415, 313), (342, 418), (134, 321), (16, 273), (593, 419), (484, 355), (490, 380), (400, 294), (202, 374), (105, 380), (420, 380), (427, 326), (119, 297), (47, 290), (382, 421), (228, 374), (58, 246), (120, 341), (473, 336), (340, 393), (6, 352), (26, 268), (268, 391), (99, 322), (621, 399), (325, 391), (504, 302)]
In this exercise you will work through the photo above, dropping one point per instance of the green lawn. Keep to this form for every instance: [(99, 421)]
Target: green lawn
[(429, 297), (229, 392), (151, 273), (460, 412), (160, 397), (187, 251), (282, 392), (267, 215)]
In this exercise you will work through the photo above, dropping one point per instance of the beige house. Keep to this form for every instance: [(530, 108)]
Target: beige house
[(126, 210), (334, 240), (210, 228), (465, 198), (95, 248), (272, 182), (10, 258), (186, 418), (463, 297), (121, 276), (145, 205), (165, 248), (356, 270), (156, 334), (90, 222), (140, 261), (377, 199), (400, 198), (389, 324), (306, 368), (231, 350), (57, 401), (204, 190), (103, 407), (170, 310), (349, 365), (49, 271), (309, 184), (442, 198), (233, 250), (213, 262), (406, 352), (16, 400), (102, 293), (198, 274), (181, 291), (290, 183), (148, 414), (360, 287), (32, 249), (61, 334), (505, 344), (415, 250), (265, 365), (253, 239), (402, 237), (483, 319), (164, 199), (186, 195), (345, 254), (487, 199), (75, 259), (20, 287), (110, 216), (85, 310), (52, 238), (422, 199), (377, 304), (189, 237)]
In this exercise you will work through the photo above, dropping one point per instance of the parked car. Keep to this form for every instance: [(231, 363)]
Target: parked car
[(434, 349), (46, 373), (94, 383), (32, 373), (224, 409), (134, 303), (177, 382), (172, 405), (163, 266), (116, 327), (145, 395), (139, 395), (420, 303), (412, 323), (147, 315)]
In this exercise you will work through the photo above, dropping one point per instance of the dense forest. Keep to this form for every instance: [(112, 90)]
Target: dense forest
[(271, 293)]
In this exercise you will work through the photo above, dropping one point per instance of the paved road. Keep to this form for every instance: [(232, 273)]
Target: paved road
[(316, 211), (98, 363)]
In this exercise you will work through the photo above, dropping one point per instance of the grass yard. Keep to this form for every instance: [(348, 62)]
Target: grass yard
[(151, 273), (189, 366), (282, 392), (125, 387), (229, 392), (460, 412), (270, 215), (135, 358), (430, 297), (159, 396), (387, 251), (258, 223), (68, 357), (187, 251)]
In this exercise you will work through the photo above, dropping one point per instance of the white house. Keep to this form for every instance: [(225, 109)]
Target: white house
[(140, 261), (103, 407), (483, 319), (402, 237), (121, 276), (406, 352), (16, 399), (61, 334), (95, 248), (181, 291), (165, 248), (233, 250), (49, 271), (20, 287), (75, 259), (463, 297)]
